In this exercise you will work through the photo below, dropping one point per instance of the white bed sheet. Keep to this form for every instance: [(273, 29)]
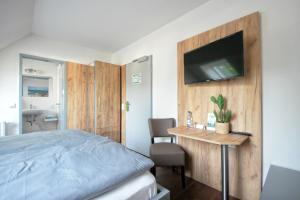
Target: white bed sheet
[(142, 187)]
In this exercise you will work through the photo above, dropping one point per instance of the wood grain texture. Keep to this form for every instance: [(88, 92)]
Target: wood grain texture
[(243, 96), (80, 97), (208, 136), (123, 101), (108, 100)]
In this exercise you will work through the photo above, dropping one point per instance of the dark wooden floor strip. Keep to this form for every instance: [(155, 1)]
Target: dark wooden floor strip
[(193, 191)]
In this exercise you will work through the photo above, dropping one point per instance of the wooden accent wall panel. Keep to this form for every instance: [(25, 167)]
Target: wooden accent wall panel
[(123, 101), (80, 97), (244, 99), (108, 100)]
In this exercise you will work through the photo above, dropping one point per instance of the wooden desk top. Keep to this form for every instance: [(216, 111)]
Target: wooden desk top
[(208, 136)]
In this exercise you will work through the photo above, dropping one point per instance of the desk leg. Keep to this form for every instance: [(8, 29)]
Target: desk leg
[(225, 178)]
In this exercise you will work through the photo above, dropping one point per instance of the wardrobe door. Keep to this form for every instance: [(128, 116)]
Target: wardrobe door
[(108, 100), (80, 97)]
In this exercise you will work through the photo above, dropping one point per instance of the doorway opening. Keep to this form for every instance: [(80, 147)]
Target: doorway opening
[(41, 95)]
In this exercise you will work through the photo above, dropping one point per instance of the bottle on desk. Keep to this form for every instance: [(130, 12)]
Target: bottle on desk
[(189, 119)]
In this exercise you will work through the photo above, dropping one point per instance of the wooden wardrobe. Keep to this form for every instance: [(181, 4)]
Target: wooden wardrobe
[(80, 97), (108, 100), (94, 98)]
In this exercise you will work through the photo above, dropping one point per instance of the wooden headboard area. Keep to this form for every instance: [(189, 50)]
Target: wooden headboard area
[(243, 96)]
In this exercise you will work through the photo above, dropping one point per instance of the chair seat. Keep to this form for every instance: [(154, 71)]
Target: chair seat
[(167, 154)]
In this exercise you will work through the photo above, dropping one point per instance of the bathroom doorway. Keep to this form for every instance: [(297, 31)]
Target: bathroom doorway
[(42, 101)]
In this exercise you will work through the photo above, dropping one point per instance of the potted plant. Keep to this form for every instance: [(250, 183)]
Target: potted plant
[(222, 116)]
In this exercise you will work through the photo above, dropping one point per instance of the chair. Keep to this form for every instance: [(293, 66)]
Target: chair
[(165, 154)]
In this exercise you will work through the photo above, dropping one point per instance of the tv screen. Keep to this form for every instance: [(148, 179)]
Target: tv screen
[(219, 60)]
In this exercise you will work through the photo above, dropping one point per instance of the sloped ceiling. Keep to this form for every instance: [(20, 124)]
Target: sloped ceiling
[(15, 20), (106, 25)]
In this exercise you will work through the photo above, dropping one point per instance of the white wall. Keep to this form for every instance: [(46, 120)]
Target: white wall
[(280, 53), (38, 46)]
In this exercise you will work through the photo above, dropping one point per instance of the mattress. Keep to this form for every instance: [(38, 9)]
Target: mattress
[(142, 187)]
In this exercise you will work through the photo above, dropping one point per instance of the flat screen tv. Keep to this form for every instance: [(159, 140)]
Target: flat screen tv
[(219, 60)]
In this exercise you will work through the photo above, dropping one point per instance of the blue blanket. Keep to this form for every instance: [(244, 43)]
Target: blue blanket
[(64, 164)]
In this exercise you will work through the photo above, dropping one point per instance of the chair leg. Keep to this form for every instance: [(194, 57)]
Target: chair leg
[(182, 176), (173, 169), (153, 171)]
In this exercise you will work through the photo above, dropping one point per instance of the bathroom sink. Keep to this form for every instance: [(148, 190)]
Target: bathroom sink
[(32, 112)]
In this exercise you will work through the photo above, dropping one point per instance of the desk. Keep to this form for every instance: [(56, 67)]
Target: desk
[(213, 138)]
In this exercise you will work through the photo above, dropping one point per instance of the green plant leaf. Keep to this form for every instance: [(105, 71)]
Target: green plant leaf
[(213, 99), (221, 116), (216, 115), (228, 116), (220, 102)]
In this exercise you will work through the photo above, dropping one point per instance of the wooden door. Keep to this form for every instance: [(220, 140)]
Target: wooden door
[(80, 97), (108, 100)]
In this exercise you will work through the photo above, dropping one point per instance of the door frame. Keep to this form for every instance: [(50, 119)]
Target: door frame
[(62, 115), (123, 104), (124, 98)]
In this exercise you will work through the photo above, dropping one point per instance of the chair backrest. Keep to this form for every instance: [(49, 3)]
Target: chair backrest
[(158, 127)]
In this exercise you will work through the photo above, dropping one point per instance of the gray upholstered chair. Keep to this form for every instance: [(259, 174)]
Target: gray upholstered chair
[(165, 154)]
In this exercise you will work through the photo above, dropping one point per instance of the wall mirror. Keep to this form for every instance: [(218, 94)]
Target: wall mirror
[(36, 86)]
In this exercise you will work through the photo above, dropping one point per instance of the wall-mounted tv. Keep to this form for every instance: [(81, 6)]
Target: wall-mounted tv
[(219, 60)]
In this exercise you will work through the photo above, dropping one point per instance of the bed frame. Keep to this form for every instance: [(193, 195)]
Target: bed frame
[(162, 193)]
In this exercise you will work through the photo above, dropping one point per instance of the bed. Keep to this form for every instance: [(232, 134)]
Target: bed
[(72, 164)]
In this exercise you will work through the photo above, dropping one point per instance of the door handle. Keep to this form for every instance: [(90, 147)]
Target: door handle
[(127, 104)]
